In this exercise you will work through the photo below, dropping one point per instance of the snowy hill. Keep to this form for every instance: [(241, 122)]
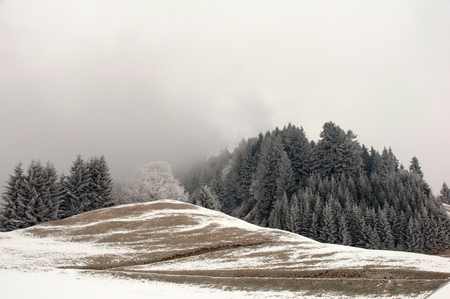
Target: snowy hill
[(177, 250)]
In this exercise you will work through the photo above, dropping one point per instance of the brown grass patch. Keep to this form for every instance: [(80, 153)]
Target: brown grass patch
[(338, 282)]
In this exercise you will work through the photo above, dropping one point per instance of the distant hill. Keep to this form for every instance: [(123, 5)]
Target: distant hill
[(177, 242)]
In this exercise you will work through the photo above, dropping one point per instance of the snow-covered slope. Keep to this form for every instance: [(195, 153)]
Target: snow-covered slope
[(173, 242)]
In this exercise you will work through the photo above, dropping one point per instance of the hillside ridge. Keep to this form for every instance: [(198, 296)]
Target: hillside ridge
[(178, 242)]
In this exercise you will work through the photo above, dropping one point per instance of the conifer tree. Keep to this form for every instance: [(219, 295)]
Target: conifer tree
[(204, 197), (53, 193), (293, 217), (265, 180), (328, 230), (305, 212), (444, 196), (337, 153), (285, 180), (345, 237), (414, 167), (100, 184), (299, 152), (13, 214), (31, 198), (316, 218), (384, 231), (76, 188)]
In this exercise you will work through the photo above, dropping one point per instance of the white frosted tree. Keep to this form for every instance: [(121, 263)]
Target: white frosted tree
[(153, 181)]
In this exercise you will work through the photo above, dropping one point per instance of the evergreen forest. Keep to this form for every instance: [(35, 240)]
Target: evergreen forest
[(334, 191), (40, 194)]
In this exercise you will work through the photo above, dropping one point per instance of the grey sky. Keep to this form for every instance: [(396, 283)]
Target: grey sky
[(141, 81)]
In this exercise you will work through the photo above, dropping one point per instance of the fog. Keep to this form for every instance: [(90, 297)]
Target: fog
[(142, 81)]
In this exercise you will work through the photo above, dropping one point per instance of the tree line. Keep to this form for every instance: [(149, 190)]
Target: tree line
[(40, 194), (334, 191)]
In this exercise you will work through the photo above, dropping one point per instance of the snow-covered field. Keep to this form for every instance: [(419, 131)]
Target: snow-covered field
[(95, 254)]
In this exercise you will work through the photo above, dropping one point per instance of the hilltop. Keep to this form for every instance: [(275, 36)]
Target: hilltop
[(175, 242)]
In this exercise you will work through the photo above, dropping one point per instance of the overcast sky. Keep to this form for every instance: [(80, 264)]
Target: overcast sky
[(142, 81)]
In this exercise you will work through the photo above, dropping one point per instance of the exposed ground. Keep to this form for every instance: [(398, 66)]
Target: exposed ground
[(176, 242)]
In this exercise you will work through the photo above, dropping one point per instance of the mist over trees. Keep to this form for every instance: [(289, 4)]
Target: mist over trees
[(40, 195), (333, 191)]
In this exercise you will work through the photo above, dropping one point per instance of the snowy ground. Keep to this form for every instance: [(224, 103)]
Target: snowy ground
[(169, 237), (69, 284)]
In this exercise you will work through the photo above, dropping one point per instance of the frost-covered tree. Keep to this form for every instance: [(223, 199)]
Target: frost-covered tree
[(154, 181), (444, 196), (299, 152), (31, 198), (121, 192), (414, 167), (206, 198), (76, 188), (43, 191), (337, 153), (14, 208), (265, 185), (100, 183)]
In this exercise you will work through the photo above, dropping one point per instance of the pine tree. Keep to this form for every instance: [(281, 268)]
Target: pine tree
[(444, 196), (100, 184), (337, 153), (384, 231), (13, 214), (52, 194), (328, 230), (299, 152), (31, 198), (343, 230), (389, 162), (305, 213), (265, 179), (293, 215), (276, 218), (204, 197), (366, 160), (316, 219), (414, 167), (285, 180), (76, 189)]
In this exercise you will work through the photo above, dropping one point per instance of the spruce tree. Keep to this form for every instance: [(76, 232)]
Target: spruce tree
[(13, 214), (444, 196), (328, 229), (265, 179), (204, 197), (293, 215), (414, 167), (76, 189), (299, 152), (337, 153), (100, 184), (285, 180)]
